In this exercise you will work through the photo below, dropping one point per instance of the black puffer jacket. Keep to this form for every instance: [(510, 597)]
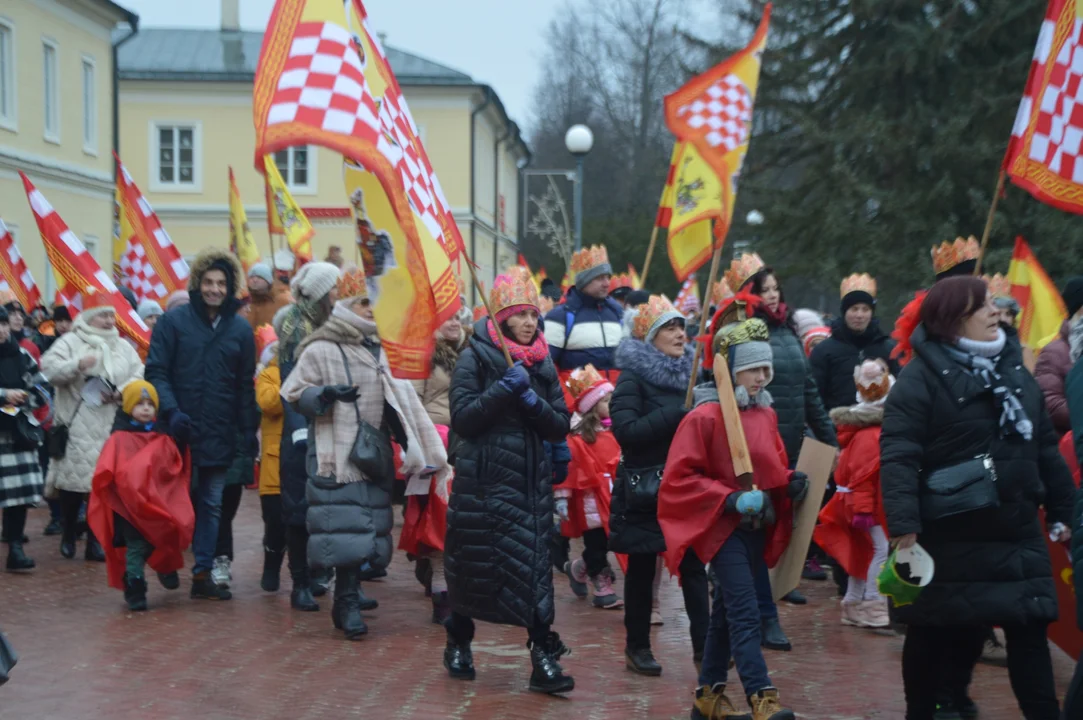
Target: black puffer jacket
[(206, 370), (647, 407), (797, 399), (833, 361), (500, 514), (992, 566)]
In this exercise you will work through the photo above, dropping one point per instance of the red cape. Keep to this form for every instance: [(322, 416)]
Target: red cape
[(592, 468), (424, 524), (858, 471), (699, 477), (143, 478)]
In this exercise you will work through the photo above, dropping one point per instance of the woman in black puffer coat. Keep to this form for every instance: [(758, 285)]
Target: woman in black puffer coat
[(966, 394), (647, 406), (500, 513)]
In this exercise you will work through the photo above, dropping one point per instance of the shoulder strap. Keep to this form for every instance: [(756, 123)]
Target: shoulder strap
[(569, 323), (349, 379)]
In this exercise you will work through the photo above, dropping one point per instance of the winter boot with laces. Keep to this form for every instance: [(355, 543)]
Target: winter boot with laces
[(605, 596), (346, 610), (135, 593), (548, 676), (766, 706), (459, 660), (17, 559), (272, 571), (576, 571), (642, 661), (711, 703)]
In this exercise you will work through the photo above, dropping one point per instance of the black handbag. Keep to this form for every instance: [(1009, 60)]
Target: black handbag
[(56, 438), (961, 488), (641, 487), (371, 452), (29, 434)]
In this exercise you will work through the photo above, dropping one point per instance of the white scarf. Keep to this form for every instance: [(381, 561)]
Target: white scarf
[(102, 343)]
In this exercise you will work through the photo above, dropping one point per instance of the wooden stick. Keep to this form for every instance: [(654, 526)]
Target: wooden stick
[(489, 310), (650, 254), (711, 277), (989, 221), (731, 417)]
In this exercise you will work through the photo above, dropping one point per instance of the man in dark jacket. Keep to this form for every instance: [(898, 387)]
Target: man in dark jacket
[(1054, 360), (855, 337), (202, 362)]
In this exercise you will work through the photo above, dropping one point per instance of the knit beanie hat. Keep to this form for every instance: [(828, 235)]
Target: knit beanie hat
[(62, 314), (262, 271), (652, 316), (805, 319), (746, 346), (1073, 295), (817, 333), (135, 391), (314, 280), (588, 387), (873, 380), (148, 309), (180, 297)]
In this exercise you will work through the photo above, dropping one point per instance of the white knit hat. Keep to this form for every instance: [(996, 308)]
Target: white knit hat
[(806, 320), (314, 280), (263, 271), (149, 308), (284, 260)]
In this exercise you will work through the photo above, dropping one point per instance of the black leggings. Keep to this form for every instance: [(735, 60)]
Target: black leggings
[(231, 500), (70, 505), (638, 591), (461, 629), (274, 530), (595, 551), (14, 526)]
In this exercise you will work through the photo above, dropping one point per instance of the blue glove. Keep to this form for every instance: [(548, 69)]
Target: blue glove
[(530, 403), (515, 379), (745, 502), (180, 427)]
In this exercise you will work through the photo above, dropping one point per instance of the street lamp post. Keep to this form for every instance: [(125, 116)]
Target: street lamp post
[(579, 140)]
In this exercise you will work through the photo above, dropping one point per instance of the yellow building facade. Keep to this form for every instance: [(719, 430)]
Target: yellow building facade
[(56, 120)]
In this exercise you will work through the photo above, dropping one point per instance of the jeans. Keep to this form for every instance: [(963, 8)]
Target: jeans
[(231, 500), (207, 501), (765, 598), (638, 596), (735, 622), (935, 657)]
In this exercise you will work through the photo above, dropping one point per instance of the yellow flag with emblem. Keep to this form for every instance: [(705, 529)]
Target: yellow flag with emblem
[(284, 215), (240, 235)]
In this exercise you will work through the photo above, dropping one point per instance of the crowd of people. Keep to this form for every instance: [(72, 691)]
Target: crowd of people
[(553, 416)]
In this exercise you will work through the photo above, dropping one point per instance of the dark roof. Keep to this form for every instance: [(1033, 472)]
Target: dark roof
[(231, 56)]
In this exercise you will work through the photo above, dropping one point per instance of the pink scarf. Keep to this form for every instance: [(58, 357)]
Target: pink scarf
[(531, 354)]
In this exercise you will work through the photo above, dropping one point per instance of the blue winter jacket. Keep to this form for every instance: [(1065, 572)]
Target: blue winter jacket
[(584, 330)]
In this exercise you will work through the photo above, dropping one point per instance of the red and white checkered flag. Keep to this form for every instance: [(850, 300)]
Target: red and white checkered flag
[(688, 297), (76, 269), (14, 275)]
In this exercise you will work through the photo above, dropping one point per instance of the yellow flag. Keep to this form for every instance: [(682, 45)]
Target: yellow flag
[(240, 236), (1042, 309), (284, 215)]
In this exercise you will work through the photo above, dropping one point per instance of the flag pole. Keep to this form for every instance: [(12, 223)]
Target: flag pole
[(650, 254), (711, 277), (488, 310), (989, 221)]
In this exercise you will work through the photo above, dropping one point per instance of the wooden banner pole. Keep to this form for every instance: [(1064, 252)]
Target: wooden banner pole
[(989, 221), (711, 278), (650, 254)]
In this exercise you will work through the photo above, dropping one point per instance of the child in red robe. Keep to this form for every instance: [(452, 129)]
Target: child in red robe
[(703, 505), (852, 527), (582, 501), (139, 497)]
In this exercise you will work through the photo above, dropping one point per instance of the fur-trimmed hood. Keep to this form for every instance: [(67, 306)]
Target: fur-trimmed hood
[(858, 416), (446, 353), (654, 366), (207, 257)]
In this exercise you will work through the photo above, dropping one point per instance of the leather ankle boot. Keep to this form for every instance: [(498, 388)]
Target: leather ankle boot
[(548, 676)]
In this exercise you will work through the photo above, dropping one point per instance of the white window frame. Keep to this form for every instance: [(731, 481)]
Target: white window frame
[(309, 188), (54, 135), (90, 106), (156, 185), (9, 120)]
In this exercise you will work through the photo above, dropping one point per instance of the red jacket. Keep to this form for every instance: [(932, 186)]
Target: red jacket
[(1054, 362), (699, 477), (592, 468)]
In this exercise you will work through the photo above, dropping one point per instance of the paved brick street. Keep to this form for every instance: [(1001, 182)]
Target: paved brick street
[(83, 657)]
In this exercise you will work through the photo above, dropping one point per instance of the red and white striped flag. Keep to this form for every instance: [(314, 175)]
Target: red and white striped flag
[(76, 269), (688, 297), (14, 275), (151, 266)]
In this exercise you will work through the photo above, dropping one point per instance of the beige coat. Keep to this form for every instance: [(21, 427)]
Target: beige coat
[(89, 426), (435, 390)]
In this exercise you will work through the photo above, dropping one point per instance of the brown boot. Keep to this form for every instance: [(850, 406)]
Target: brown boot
[(766, 706), (712, 704)]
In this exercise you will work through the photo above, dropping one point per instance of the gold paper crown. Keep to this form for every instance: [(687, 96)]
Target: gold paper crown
[(742, 269), (511, 289), (999, 286), (588, 258), (351, 284), (858, 283), (947, 255), (648, 314), (720, 292), (753, 330), (620, 280), (583, 379)]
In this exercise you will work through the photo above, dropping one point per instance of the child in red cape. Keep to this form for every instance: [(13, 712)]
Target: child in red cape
[(582, 501), (139, 497), (703, 505), (852, 527)]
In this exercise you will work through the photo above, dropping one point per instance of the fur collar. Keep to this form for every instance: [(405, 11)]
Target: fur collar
[(863, 415), (446, 353), (653, 365)]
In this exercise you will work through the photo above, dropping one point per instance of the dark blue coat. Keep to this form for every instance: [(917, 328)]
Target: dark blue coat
[(208, 373), (584, 330)]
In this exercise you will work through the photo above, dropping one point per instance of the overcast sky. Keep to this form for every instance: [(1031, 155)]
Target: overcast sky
[(497, 42)]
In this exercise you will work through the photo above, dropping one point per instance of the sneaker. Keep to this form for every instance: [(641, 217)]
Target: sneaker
[(656, 617), (220, 573), (577, 577), (874, 613), (852, 614), (605, 596), (203, 588), (766, 706), (711, 703), (813, 571)]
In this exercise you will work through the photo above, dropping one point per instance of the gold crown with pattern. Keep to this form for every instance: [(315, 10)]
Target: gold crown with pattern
[(649, 313), (743, 267), (999, 286), (947, 255), (720, 292), (858, 283), (583, 379), (588, 258), (351, 284), (620, 280), (752, 330), (511, 289)]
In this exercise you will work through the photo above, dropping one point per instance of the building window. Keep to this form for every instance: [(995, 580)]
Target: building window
[(176, 155), (294, 164), (90, 242), (51, 88), (90, 107), (7, 74)]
